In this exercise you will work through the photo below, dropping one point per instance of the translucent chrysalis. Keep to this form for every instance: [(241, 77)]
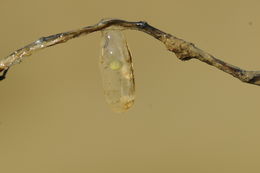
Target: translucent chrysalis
[(117, 70)]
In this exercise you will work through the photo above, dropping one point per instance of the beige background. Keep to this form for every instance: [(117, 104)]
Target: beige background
[(188, 117)]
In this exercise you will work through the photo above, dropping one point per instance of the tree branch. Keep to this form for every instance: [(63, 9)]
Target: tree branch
[(184, 50)]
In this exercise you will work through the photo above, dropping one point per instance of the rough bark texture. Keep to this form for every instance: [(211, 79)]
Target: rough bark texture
[(183, 50)]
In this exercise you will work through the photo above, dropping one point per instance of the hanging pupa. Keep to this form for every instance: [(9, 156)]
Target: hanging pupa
[(117, 70)]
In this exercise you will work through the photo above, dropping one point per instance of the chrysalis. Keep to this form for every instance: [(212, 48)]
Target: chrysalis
[(117, 70)]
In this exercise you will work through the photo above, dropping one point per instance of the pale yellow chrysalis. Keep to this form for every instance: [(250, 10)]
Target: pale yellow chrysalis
[(117, 70)]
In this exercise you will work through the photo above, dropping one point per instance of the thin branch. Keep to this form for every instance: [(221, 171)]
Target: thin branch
[(184, 50), (3, 76)]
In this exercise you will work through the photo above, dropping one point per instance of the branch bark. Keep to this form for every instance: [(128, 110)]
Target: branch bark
[(183, 50)]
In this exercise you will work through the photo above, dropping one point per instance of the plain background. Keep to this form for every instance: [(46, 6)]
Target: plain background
[(188, 116)]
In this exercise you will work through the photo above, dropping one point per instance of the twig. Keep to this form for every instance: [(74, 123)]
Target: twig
[(3, 76), (184, 50)]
